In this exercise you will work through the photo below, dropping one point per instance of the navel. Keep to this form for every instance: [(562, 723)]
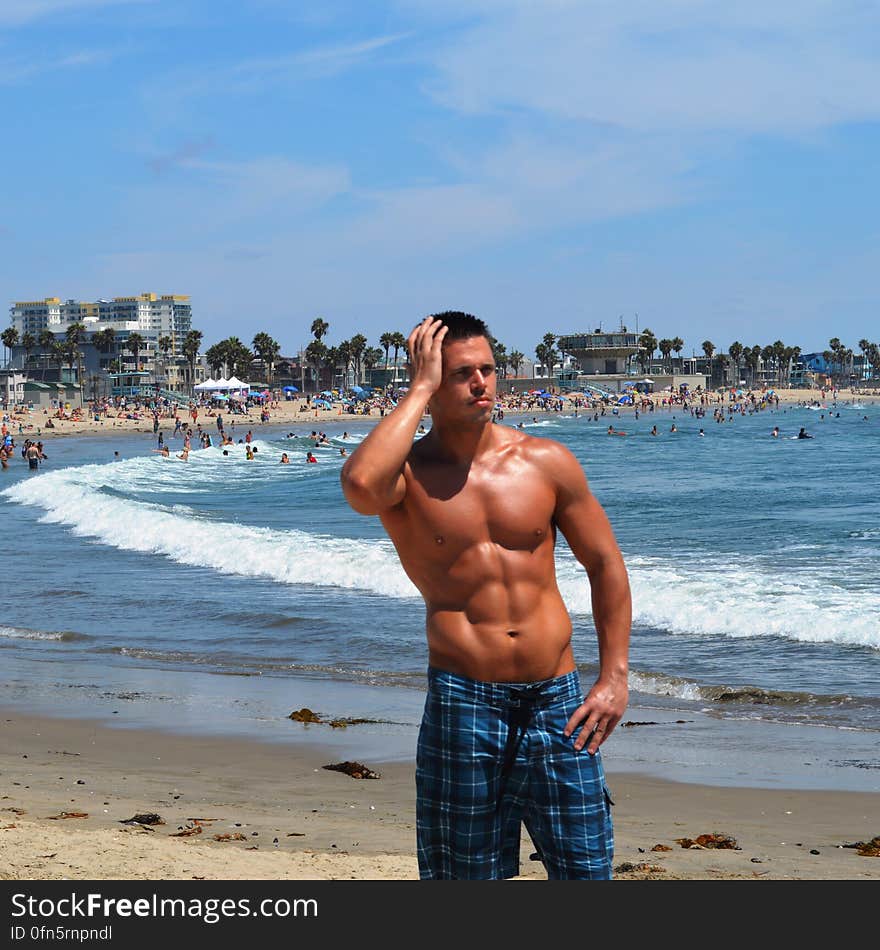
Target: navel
[(513, 634)]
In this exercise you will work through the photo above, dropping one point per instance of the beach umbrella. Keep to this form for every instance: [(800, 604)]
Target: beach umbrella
[(291, 389)]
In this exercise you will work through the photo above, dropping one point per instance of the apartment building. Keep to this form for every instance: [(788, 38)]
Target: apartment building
[(151, 315)]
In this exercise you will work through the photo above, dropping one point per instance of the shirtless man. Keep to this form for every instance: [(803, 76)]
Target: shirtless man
[(473, 510)]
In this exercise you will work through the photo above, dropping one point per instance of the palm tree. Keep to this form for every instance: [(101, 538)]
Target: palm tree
[(165, 345), (647, 345), (58, 353), (319, 328), (242, 358), (753, 359), (874, 357), (836, 348), (677, 346), (10, 339), (549, 356), (134, 344), (736, 351), (779, 359), (499, 352), (215, 357), (345, 355), (28, 342), (46, 341), (267, 349), (864, 346), (665, 347), (386, 341), (191, 343), (546, 355), (515, 359), (398, 341), (358, 344), (103, 340), (75, 334), (709, 351), (331, 361), (372, 357), (315, 353)]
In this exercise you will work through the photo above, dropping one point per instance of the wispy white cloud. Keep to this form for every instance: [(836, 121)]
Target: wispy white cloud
[(681, 64), (326, 59), (17, 12), (184, 153), (220, 201), (16, 70)]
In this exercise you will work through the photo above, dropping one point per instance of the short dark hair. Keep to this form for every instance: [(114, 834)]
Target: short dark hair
[(462, 326)]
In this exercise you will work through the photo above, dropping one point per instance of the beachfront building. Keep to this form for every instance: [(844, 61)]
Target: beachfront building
[(148, 332), (606, 354), (608, 362), (151, 315)]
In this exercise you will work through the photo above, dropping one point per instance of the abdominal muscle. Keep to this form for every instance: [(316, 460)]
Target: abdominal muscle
[(534, 645)]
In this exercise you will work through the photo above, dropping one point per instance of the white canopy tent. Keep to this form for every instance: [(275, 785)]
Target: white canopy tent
[(222, 385)]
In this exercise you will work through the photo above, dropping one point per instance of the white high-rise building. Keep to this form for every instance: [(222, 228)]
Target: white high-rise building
[(151, 315)]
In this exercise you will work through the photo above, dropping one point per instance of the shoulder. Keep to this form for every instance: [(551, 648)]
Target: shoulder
[(548, 459), (548, 454)]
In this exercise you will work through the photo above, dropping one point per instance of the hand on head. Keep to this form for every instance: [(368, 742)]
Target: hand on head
[(426, 360)]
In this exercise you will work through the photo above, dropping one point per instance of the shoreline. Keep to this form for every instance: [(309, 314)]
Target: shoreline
[(290, 415), (331, 826)]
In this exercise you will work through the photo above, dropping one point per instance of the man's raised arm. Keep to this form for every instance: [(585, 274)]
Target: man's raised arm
[(372, 478)]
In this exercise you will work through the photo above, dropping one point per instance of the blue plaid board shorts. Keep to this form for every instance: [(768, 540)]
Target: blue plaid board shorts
[(491, 756)]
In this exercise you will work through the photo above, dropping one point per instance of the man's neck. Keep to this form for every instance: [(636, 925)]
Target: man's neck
[(460, 443)]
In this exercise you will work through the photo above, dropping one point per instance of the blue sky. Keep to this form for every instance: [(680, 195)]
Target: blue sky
[(706, 169)]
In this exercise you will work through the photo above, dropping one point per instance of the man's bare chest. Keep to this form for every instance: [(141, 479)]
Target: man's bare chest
[(447, 518)]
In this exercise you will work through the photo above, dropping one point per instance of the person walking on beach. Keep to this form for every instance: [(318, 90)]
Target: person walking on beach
[(473, 510)]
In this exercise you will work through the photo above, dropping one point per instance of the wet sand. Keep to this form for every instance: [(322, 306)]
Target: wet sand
[(298, 820)]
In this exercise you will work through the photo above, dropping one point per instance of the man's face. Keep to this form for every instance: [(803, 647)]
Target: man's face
[(467, 393)]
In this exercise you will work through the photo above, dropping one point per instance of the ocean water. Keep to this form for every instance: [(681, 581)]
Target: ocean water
[(221, 593)]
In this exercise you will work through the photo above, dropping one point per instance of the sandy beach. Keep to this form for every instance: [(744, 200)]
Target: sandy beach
[(69, 784), (296, 413), (281, 815)]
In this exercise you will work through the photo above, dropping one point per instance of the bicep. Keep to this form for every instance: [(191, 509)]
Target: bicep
[(366, 502), (581, 518)]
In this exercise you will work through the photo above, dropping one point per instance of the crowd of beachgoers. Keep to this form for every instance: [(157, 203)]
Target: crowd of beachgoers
[(23, 425)]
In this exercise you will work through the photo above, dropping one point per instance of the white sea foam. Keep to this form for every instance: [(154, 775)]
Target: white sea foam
[(745, 599), (19, 633), (660, 685), (748, 599), (70, 497)]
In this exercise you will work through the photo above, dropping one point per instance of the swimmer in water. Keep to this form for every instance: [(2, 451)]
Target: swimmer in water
[(775, 432), (284, 459)]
